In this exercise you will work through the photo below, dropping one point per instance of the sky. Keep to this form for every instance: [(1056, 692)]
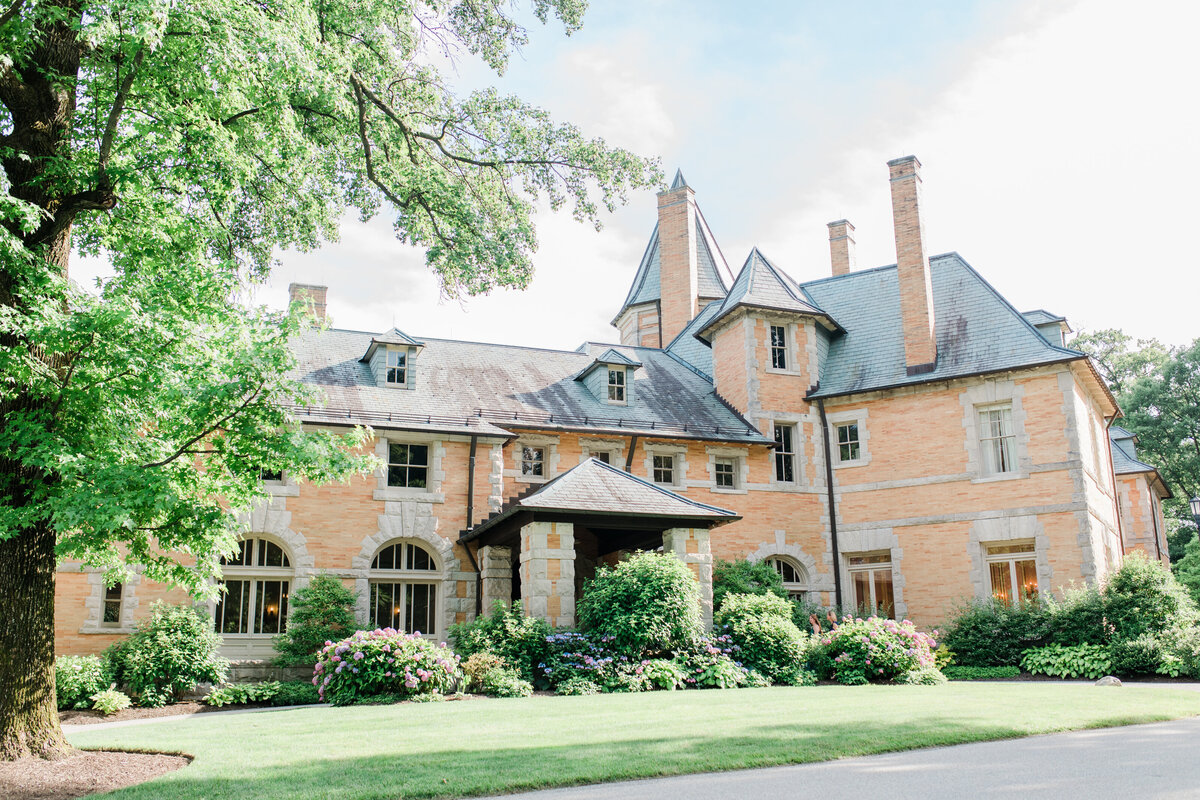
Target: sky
[(1057, 142)]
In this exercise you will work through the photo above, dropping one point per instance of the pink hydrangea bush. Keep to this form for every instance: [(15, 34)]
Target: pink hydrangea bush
[(384, 662), (876, 650)]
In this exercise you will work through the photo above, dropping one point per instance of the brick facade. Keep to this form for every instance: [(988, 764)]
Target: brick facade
[(914, 483)]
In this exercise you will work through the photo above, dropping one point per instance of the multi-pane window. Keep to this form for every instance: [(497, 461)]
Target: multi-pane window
[(616, 386), (785, 453), (112, 604), (795, 578), (871, 576), (664, 469), (404, 589), (1013, 573), (725, 472), (533, 462), (408, 465), (997, 442), (779, 357), (271, 475), (255, 585), (847, 441), (602, 455), (397, 367)]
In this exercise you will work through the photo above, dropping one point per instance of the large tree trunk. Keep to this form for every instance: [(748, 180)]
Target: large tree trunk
[(41, 101), (28, 709)]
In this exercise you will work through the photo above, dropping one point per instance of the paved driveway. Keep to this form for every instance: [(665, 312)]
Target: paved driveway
[(1161, 760)]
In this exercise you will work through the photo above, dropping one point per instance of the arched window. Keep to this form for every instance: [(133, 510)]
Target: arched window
[(255, 583), (795, 577), (404, 584)]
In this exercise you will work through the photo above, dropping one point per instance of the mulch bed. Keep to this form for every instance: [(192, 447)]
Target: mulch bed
[(86, 772), (175, 710)]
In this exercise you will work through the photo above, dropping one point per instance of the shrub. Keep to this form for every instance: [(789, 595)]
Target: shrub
[(767, 639), (505, 683), (923, 676), (488, 674), (711, 664), (1078, 618), (745, 577), (1145, 654), (804, 611), (577, 686), (960, 673), (1181, 653), (110, 701), (593, 658), (509, 634), (1143, 597), (648, 604), (663, 674), (384, 662), (272, 693), (1187, 569), (876, 650), (990, 634), (77, 678), (168, 654), (320, 612), (1061, 661)]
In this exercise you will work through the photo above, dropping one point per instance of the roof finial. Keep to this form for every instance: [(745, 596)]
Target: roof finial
[(680, 182)]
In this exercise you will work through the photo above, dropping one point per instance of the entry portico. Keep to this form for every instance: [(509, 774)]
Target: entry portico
[(542, 546)]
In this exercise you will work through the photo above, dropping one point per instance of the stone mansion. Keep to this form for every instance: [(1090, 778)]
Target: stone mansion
[(898, 438)]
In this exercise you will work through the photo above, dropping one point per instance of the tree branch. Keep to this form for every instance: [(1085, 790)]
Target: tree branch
[(114, 114), (10, 12), (186, 447)]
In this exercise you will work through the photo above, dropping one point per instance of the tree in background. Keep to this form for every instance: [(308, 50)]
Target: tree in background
[(1158, 388), (321, 611), (185, 143)]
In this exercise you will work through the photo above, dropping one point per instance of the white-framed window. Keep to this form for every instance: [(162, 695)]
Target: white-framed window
[(664, 469), (849, 446), (404, 583), (785, 453), (533, 461), (1012, 570), (396, 370), (114, 597), (871, 576), (997, 440), (795, 576), (408, 465), (254, 590), (725, 472), (779, 347), (616, 386)]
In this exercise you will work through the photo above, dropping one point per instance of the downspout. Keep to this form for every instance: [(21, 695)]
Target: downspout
[(632, 447), (1116, 491), (470, 522), (1155, 504), (833, 533)]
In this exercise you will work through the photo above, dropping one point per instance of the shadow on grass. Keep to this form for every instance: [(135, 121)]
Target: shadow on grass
[(444, 771)]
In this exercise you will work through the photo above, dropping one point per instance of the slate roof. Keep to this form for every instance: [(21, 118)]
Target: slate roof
[(689, 348), (609, 356), (470, 387), (1126, 462), (977, 330), (711, 266), (761, 285), (594, 487), (1041, 316)]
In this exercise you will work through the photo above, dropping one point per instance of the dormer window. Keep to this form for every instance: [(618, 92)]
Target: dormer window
[(616, 386), (397, 368)]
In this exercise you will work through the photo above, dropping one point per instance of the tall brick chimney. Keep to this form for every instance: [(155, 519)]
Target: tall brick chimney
[(311, 294), (678, 267), (912, 266), (841, 246)]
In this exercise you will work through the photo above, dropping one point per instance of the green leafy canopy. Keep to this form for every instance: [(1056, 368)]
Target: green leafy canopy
[(187, 143)]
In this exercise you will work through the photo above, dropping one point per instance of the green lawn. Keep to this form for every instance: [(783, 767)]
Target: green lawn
[(485, 746)]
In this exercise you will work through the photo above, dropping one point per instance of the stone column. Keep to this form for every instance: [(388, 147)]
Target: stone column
[(495, 566), (692, 547), (548, 572)]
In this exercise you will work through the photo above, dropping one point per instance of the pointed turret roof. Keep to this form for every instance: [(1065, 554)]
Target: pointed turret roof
[(762, 285), (713, 273)]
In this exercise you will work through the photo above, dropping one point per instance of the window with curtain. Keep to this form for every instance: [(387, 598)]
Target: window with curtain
[(871, 576), (1012, 570), (997, 441)]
